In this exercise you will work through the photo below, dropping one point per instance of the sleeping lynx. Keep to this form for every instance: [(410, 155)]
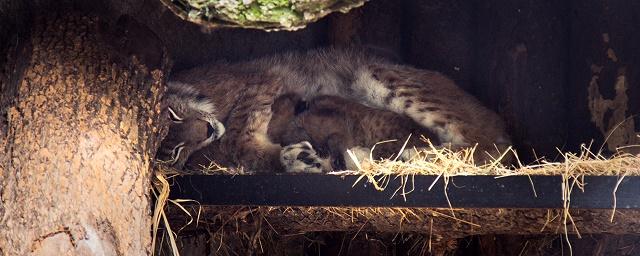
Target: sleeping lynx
[(244, 92), (333, 124)]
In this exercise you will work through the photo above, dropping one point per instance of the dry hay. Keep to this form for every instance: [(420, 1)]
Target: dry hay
[(248, 229), (161, 224), (234, 229), (440, 161), (443, 161)]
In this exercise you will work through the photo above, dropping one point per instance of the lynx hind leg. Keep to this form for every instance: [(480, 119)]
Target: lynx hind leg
[(302, 158), (428, 98)]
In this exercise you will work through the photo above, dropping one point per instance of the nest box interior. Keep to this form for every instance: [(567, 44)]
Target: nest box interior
[(559, 74)]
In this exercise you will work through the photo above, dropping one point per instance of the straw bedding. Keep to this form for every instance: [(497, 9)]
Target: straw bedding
[(442, 226)]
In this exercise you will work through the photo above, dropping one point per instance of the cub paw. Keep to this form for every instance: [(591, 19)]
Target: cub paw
[(300, 158)]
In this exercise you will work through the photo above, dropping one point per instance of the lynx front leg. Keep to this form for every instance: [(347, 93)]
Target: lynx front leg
[(246, 140), (247, 143)]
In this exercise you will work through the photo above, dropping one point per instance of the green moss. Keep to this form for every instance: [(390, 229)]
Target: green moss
[(271, 12), (312, 5), (275, 3), (264, 13)]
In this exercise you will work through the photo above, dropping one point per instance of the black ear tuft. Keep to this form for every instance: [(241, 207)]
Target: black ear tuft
[(200, 97), (301, 107)]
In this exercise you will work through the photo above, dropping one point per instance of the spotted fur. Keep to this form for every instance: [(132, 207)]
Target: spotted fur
[(244, 92)]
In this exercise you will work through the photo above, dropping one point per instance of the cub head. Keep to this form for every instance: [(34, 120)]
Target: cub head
[(283, 128), (194, 124)]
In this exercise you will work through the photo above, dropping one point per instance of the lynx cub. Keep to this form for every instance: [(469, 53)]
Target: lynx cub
[(243, 94), (333, 125)]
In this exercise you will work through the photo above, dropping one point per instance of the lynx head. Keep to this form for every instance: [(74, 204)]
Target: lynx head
[(194, 124)]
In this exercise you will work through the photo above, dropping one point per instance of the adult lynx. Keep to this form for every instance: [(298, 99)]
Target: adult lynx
[(244, 92)]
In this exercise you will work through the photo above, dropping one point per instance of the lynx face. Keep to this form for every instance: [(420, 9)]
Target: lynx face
[(194, 124)]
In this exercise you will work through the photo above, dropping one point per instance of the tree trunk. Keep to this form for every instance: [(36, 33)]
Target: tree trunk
[(83, 127)]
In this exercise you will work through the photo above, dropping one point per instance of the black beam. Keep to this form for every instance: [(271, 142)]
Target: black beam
[(462, 191)]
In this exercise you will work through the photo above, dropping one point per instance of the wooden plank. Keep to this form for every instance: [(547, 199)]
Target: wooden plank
[(461, 191)]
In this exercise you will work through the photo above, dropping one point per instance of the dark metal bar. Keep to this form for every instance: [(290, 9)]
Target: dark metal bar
[(462, 191)]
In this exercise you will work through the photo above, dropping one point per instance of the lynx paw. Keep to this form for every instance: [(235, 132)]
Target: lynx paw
[(300, 158)]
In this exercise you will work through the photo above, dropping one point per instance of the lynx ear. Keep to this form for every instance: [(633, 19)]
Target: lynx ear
[(204, 106)]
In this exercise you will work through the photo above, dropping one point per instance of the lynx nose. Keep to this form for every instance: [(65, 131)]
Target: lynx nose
[(211, 131), (215, 130)]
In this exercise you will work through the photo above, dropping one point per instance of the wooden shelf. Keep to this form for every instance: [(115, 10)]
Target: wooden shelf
[(462, 191)]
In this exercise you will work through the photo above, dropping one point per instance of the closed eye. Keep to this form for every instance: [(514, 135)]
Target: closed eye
[(174, 117), (175, 155)]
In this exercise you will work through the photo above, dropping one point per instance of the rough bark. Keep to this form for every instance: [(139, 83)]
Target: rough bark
[(82, 130)]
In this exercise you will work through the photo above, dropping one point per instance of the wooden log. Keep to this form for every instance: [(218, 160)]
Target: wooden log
[(83, 127)]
